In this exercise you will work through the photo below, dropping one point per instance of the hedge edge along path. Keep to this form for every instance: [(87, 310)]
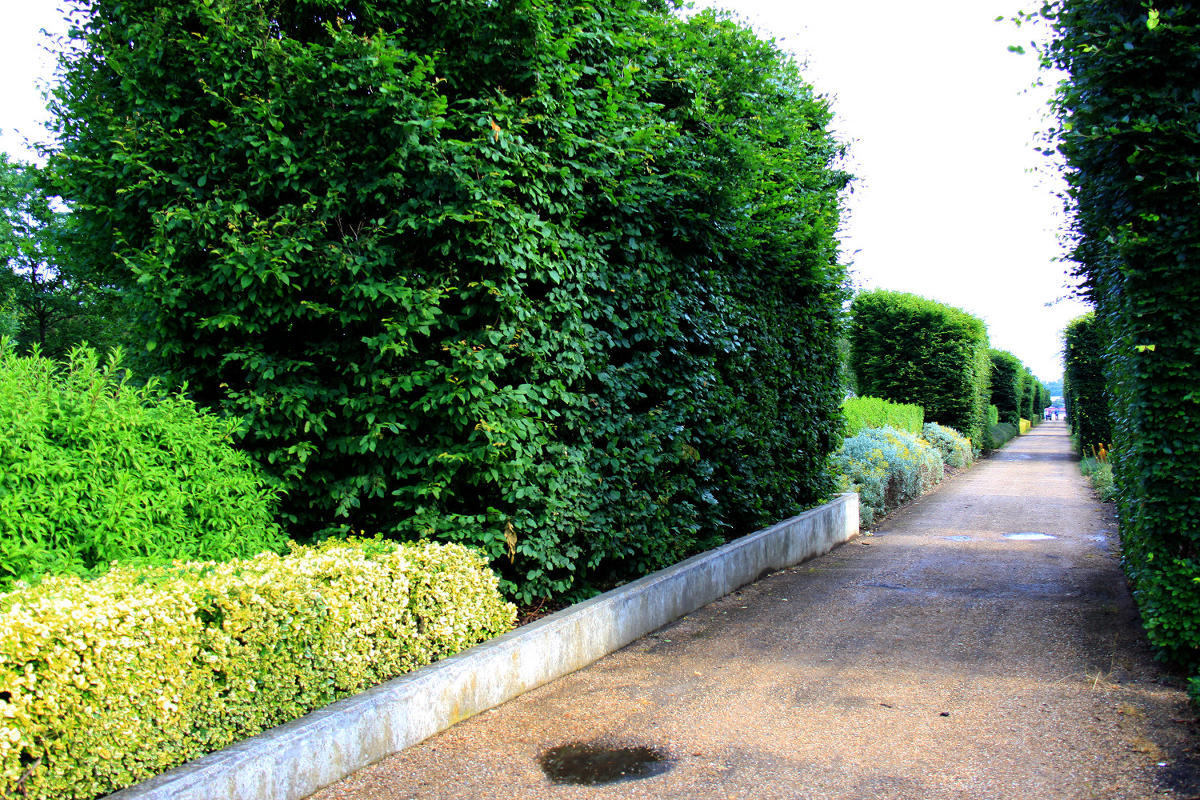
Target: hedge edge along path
[(296, 759)]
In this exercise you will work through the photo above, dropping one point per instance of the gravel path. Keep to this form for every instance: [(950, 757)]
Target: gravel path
[(935, 658)]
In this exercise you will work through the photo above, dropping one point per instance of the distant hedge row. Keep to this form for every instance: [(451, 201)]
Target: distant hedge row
[(909, 349), (558, 281), (1015, 392), (1130, 135), (1007, 385), (1084, 390), (1035, 399)]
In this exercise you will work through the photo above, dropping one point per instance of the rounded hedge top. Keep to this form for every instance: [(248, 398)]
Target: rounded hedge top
[(910, 349)]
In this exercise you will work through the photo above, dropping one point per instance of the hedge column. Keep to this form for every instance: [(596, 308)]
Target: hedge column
[(1130, 134)]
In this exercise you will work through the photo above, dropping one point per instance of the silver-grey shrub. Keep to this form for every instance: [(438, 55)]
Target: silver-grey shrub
[(887, 468), (955, 448)]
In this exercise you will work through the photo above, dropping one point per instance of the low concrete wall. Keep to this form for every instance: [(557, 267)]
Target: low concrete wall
[(294, 760)]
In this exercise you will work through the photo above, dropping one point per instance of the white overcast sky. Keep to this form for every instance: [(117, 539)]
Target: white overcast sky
[(951, 202)]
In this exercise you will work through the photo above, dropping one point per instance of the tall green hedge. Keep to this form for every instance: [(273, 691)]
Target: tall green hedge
[(1007, 385), (909, 349), (1084, 384), (556, 280), (1130, 135), (1030, 409)]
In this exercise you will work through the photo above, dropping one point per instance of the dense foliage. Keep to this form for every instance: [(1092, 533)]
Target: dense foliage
[(1130, 135), (44, 301), (107, 682), (875, 412), (909, 349), (1101, 476), (1016, 393), (887, 468), (557, 280), (1086, 395), (94, 469), (1031, 403), (955, 448), (1008, 385), (999, 433)]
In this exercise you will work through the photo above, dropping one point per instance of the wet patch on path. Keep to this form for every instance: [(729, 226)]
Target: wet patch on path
[(595, 763)]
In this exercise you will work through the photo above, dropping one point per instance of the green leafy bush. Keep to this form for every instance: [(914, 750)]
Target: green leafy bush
[(887, 468), (558, 281), (993, 416), (1101, 475), (107, 682), (94, 469), (875, 412), (1016, 393), (909, 349), (955, 448)]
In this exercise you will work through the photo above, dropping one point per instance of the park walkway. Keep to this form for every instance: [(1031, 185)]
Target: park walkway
[(936, 658)]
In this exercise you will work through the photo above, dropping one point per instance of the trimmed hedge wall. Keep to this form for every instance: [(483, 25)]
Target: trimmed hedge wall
[(1130, 135), (94, 468), (1033, 394), (1008, 385), (1015, 392), (558, 280), (1084, 389), (107, 682), (909, 349), (875, 412)]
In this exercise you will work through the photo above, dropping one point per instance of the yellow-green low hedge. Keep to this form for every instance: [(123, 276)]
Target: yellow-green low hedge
[(107, 682), (862, 413)]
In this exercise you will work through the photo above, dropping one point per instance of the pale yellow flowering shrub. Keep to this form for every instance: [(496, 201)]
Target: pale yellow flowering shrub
[(955, 448), (107, 682)]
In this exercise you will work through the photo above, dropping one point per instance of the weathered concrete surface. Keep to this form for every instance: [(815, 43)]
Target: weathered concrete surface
[(906, 665), (294, 760)]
